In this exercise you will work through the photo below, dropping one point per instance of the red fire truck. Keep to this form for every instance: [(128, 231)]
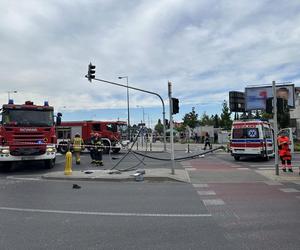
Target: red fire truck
[(27, 133), (111, 132)]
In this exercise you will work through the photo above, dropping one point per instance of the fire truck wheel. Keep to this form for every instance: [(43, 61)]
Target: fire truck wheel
[(237, 158), (49, 163), (63, 148), (106, 147)]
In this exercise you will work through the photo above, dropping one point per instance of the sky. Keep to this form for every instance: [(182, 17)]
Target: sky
[(205, 48)]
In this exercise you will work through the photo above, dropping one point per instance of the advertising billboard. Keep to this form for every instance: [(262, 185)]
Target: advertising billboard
[(256, 97)]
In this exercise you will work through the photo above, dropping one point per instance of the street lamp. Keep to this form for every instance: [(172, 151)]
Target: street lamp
[(138, 106), (11, 91), (128, 116)]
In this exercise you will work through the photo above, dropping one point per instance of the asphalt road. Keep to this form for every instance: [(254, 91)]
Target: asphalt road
[(227, 205)]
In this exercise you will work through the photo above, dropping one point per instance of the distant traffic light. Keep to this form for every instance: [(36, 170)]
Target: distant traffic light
[(175, 106), (282, 105), (269, 105), (91, 72), (236, 101)]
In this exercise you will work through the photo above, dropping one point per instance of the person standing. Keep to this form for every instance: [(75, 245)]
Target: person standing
[(78, 145), (92, 149), (207, 141), (285, 152), (98, 147)]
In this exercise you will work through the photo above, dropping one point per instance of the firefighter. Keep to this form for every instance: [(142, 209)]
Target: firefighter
[(98, 147), (78, 145), (92, 150), (285, 152), (207, 141)]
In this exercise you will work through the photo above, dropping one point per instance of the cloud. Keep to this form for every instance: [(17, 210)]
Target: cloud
[(205, 48)]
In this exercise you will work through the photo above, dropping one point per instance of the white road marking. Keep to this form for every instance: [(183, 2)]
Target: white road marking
[(272, 165), (267, 168), (23, 178), (100, 213), (289, 190), (273, 183), (261, 165), (243, 168), (190, 169), (212, 202), (207, 192), (202, 185)]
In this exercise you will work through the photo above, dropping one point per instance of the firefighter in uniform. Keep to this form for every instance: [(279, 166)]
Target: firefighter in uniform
[(78, 145), (93, 150), (98, 148), (285, 152)]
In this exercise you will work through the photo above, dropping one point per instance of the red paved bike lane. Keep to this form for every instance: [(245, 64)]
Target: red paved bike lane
[(254, 212)]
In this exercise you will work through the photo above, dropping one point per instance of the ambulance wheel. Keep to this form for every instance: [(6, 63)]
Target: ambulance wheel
[(237, 158), (116, 150), (6, 166), (49, 163), (266, 158)]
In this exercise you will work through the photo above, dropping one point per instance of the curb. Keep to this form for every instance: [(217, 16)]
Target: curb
[(101, 175)]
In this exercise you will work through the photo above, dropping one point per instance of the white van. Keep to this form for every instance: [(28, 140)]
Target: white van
[(251, 138)]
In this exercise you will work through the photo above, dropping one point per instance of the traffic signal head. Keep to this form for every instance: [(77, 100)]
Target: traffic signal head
[(91, 72), (282, 105), (175, 106), (269, 105)]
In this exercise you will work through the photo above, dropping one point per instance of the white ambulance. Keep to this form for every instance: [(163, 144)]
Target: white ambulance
[(251, 138)]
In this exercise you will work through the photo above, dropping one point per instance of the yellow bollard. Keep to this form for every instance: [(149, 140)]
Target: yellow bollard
[(68, 166)]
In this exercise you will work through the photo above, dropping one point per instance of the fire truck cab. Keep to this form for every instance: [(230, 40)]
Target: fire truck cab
[(251, 138), (27, 133)]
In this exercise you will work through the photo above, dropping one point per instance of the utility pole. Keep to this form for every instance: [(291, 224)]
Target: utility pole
[(171, 127), (275, 126)]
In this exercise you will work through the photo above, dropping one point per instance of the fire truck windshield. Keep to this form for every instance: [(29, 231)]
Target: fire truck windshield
[(22, 117), (122, 128)]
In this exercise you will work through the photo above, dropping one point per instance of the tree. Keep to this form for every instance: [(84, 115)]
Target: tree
[(205, 120), (216, 121), (191, 119), (159, 127), (226, 121)]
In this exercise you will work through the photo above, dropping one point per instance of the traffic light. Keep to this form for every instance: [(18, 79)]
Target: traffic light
[(269, 105), (175, 106), (282, 105), (91, 72), (236, 101)]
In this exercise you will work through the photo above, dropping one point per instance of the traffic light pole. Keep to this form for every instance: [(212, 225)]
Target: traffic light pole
[(171, 127), (146, 91), (275, 127)]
